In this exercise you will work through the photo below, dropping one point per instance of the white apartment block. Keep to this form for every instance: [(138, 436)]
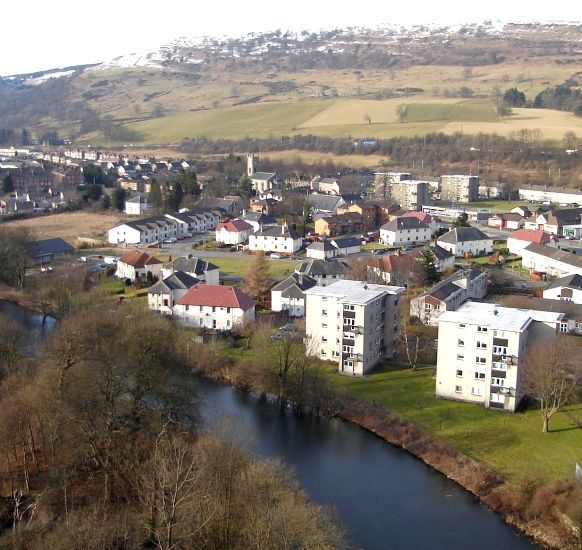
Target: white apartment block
[(459, 188), (540, 193), (352, 323), (405, 230), (409, 194), (480, 351)]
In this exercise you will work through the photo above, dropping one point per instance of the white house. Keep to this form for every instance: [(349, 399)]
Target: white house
[(195, 267), (218, 307), (289, 294), (325, 272), (165, 293), (137, 205), (521, 238), (432, 221), (463, 241), (401, 231), (321, 250), (146, 231), (233, 232), (567, 288), (347, 245), (444, 259), (551, 261), (136, 265), (276, 239), (258, 220)]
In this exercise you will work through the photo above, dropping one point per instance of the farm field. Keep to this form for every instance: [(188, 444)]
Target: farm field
[(69, 225), (238, 266), (513, 444)]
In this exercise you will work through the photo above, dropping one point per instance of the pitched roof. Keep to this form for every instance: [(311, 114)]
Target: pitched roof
[(555, 254), (463, 234), (192, 265), (346, 242), (176, 280), (422, 216), (532, 236), (234, 226), (259, 217), (216, 296), (49, 246), (294, 286), (571, 281), (282, 231), (441, 253), (398, 224), (139, 259), (153, 221), (326, 203), (449, 286), (263, 176), (570, 310), (324, 246), (316, 267)]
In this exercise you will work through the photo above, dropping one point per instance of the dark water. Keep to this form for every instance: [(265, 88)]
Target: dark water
[(30, 322), (383, 496)]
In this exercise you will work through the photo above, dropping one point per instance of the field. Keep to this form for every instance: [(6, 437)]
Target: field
[(237, 266), (511, 443), (69, 225)]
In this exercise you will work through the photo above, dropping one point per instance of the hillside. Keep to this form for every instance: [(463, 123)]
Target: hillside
[(332, 83)]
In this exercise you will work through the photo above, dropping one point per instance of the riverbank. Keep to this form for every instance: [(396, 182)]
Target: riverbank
[(18, 297), (510, 501)]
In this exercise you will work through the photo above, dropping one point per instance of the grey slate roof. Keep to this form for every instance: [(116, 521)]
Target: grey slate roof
[(324, 203), (323, 246), (294, 286), (48, 247), (346, 242), (463, 234), (555, 254), (278, 231), (192, 265), (176, 280), (570, 310), (258, 217), (570, 281), (398, 224), (146, 223), (447, 287), (316, 268), (264, 176), (440, 253)]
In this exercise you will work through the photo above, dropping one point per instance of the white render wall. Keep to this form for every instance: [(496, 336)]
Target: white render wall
[(295, 306), (219, 318), (274, 244), (232, 237), (475, 248), (537, 262), (555, 294), (550, 196), (164, 302), (405, 236), (515, 246)]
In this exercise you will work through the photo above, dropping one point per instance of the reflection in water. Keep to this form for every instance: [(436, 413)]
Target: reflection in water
[(30, 322)]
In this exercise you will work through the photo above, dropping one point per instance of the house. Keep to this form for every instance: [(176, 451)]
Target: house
[(372, 212), (445, 260), (480, 352), (136, 266), (506, 220), (195, 267), (45, 250), (340, 224), (145, 231), (257, 220), (217, 307), (324, 204), (276, 239), (571, 322), (325, 272), (347, 245), (550, 261), (231, 206), (568, 288), (321, 250), (566, 222), (137, 206), (433, 222), (544, 193), (289, 294), (233, 232), (405, 230), (195, 221), (395, 269), (165, 293), (449, 295), (519, 239), (459, 188), (326, 185), (265, 206), (463, 241), (352, 323)]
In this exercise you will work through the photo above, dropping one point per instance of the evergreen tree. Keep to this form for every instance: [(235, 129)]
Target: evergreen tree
[(245, 187), (155, 195), (8, 184), (257, 281), (429, 268), (189, 183), (178, 196), (118, 198), (106, 202), (462, 220)]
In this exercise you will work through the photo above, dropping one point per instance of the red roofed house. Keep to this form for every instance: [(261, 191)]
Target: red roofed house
[(233, 232), (506, 220), (432, 222), (217, 307), (136, 265), (519, 239)]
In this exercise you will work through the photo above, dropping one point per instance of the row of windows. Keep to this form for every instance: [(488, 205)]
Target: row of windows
[(479, 328), (475, 390), (477, 374)]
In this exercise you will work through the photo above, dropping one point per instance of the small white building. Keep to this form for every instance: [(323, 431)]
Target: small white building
[(432, 221), (321, 250), (567, 288), (217, 307), (403, 231), (463, 241), (289, 294), (195, 267), (258, 220), (233, 232), (136, 266), (276, 239), (165, 293), (521, 238), (325, 272), (347, 245), (551, 261), (136, 206)]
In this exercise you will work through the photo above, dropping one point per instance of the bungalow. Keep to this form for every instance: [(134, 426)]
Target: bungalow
[(519, 239), (449, 295), (233, 232), (321, 250), (289, 294), (405, 230), (347, 245), (507, 220), (325, 272), (217, 307), (137, 265), (462, 241), (195, 267), (551, 261), (165, 293), (276, 239), (568, 289)]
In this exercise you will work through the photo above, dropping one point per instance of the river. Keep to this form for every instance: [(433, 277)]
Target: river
[(384, 497)]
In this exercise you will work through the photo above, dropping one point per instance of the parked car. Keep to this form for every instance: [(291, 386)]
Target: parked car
[(47, 269), (275, 256), (171, 240), (407, 248)]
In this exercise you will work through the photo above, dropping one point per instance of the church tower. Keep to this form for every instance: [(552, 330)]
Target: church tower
[(252, 164)]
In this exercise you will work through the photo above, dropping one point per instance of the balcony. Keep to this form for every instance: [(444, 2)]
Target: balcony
[(507, 359), (358, 357), (349, 314)]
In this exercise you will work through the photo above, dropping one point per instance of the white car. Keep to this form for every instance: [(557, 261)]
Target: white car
[(171, 240), (275, 256), (46, 269)]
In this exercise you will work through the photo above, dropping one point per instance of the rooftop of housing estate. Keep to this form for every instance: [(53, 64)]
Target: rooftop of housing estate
[(321, 246), (258, 217), (294, 286), (216, 296), (323, 267), (462, 234), (176, 280), (449, 286), (532, 235), (555, 254), (278, 231), (440, 253), (191, 265), (409, 222), (572, 281), (139, 259), (569, 309), (47, 247), (357, 292), (498, 317)]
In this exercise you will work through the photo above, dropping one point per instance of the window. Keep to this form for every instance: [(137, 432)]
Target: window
[(459, 373), (324, 325), (462, 326), (482, 345), (324, 312), (349, 307), (500, 350), (324, 338), (498, 382), (213, 309), (479, 375), (460, 343), (460, 357), (427, 307), (480, 360), (563, 327), (481, 329), (499, 366), (477, 391), (458, 389)]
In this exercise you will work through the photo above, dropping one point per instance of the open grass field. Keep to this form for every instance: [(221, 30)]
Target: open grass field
[(312, 157), (511, 443), (237, 266), (69, 225)]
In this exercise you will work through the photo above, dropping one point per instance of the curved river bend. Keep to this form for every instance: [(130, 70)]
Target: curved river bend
[(384, 497)]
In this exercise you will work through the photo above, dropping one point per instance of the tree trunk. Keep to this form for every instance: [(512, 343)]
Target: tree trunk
[(545, 421)]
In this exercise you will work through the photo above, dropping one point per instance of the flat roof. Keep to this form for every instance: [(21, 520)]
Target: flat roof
[(498, 317), (357, 292)]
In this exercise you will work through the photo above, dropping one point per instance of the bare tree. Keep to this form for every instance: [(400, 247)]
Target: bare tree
[(402, 111), (367, 119), (15, 255), (550, 374), (411, 340)]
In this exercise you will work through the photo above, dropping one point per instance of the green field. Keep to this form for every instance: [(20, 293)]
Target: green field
[(238, 266), (510, 443)]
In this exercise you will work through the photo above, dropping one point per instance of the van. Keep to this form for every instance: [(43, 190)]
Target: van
[(110, 260)]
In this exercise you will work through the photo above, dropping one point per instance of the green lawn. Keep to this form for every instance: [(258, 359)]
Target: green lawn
[(498, 205), (511, 443), (238, 266)]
